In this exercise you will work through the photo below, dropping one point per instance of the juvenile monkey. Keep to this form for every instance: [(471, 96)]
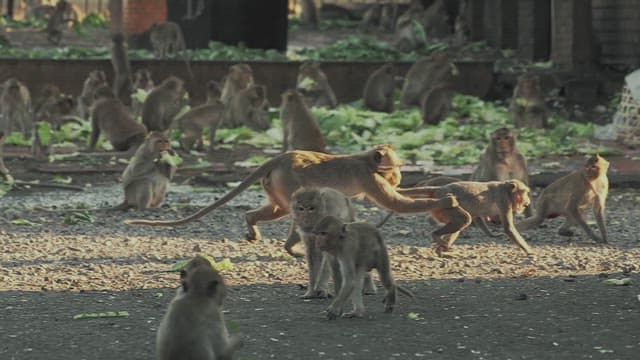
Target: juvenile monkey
[(62, 15), (193, 326), (435, 104), (374, 173), (570, 195), (378, 91), (309, 206), (3, 169), (527, 107), (239, 77), (94, 80), (193, 122), (314, 85), (478, 199), (248, 107), (122, 83), (163, 103), (167, 40), (141, 80), (110, 117), (15, 102), (358, 248), (299, 126), (146, 178), (424, 74)]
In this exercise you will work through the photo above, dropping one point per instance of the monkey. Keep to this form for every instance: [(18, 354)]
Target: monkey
[(42, 12), (249, 107), (122, 82), (309, 12), (570, 195), (435, 104), (193, 326), (358, 248), (167, 39), (94, 80), (190, 266), (378, 90), (163, 103), (478, 199), (141, 80), (47, 93), (192, 123), (308, 207), (373, 173), (527, 107), (435, 20), (110, 117), (15, 103), (239, 77), (146, 178), (3, 169), (425, 73), (371, 16), (388, 16), (213, 91), (62, 15), (299, 126), (314, 85)]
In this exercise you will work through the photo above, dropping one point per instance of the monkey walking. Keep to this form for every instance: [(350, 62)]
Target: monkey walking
[(358, 248)]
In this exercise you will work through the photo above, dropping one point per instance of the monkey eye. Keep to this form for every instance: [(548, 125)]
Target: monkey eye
[(312, 208), (300, 208)]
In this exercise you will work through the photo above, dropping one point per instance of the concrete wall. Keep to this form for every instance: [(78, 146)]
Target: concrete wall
[(616, 26)]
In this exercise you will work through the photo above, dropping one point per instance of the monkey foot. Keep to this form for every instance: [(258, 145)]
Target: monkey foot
[(332, 314), (372, 291), (316, 294), (252, 237), (294, 253), (353, 314)]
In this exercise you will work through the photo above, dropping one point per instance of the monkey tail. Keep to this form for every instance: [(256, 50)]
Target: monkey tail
[(258, 174), (386, 218), (185, 54)]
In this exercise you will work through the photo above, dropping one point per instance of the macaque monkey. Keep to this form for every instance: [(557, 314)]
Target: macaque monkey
[(141, 80), (239, 77), (15, 103), (300, 128), (378, 91), (528, 108), (94, 80), (314, 85), (388, 16), (193, 264), (435, 104), (405, 34), (570, 195), (309, 12), (167, 40), (213, 92), (478, 199), (146, 178), (358, 248), (193, 122), (110, 117), (62, 15), (374, 173), (122, 83), (193, 326), (3, 169), (163, 103), (309, 206), (249, 107), (425, 73), (48, 93)]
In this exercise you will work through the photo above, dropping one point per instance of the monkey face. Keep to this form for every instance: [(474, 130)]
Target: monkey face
[(528, 86), (519, 195), (596, 166), (386, 158), (503, 140)]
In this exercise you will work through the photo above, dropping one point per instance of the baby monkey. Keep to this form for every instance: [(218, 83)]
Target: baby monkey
[(358, 248)]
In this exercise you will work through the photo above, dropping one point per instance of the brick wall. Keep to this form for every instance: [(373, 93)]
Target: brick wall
[(139, 15)]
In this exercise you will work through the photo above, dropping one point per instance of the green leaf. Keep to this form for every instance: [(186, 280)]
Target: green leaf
[(97, 315), (24, 222), (62, 180), (173, 160), (618, 282), (44, 133)]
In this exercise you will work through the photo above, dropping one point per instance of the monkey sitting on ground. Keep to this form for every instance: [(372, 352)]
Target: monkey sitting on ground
[(249, 107), (194, 121), (141, 80), (314, 85), (167, 40), (358, 248), (94, 80), (3, 169), (122, 83), (374, 173), (378, 91), (527, 107), (193, 326), (163, 103), (15, 103), (570, 195), (239, 77), (146, 178), (309, 206), (424, 74), (62, 15), (435, 104), (111, 118), (478, 199), (299, 126)]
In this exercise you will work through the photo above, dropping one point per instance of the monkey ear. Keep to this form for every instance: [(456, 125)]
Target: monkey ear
[(377, 156), (513, 187)]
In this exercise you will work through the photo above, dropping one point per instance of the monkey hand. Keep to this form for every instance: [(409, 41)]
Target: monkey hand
[(332, 313), (449, 201)]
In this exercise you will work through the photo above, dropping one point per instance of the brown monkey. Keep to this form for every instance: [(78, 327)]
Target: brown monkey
[(373, 173), (378, 91), (193, 326), (48, 93), (122, 83), (163, 103), (527, 107), (141, 80), (3, 169), (424, 74), (167, 40), (299, 126), (309, 206), (435, 104), (62, 15), (239, 77), (309, 13), (213, 91), (478, 199), (570, 195), (195, 120), (358, 248), (94, 80), (193, 264), (314, 85), (111, 118), (15, 102), (146, 178), (249, 107)]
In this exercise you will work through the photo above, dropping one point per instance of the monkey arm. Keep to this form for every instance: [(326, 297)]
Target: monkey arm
[(598, 211), (418, 192), (385, 195), (506, 217), (348, 271)]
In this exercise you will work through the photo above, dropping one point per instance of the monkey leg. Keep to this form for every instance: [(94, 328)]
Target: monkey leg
[(369, 287), (513, 234), (267, 212), (318, 270), (139, 193), (455, 220), (565, 228), (384, 272), (598, 210), (348, 269), (336, 272), (574, 215), (356, 297)]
